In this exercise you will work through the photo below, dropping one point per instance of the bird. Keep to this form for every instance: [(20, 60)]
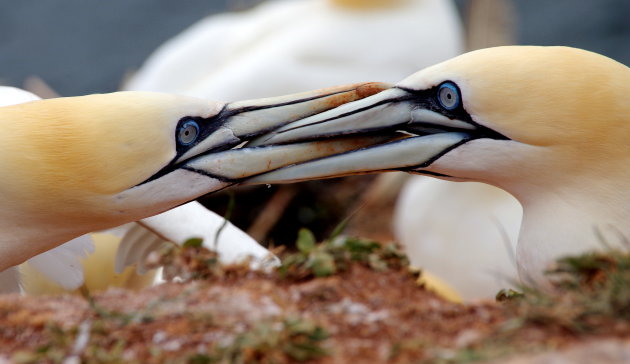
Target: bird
[(57, 270), (39, 276), (488, 221), (289, 46), (549, 125), (75, 165), (117, 257)]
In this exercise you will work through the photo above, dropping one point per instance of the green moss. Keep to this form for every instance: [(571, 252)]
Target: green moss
[(591, 294), (193, 243), (271, 341), (336, 254)]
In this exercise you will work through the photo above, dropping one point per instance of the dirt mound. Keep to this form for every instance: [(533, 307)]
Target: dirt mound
[(344, 301)]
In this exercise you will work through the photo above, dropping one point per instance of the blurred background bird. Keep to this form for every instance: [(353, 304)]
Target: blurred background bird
[(237, 49)]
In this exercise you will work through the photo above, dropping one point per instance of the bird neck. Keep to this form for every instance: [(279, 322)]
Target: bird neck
[(562, 223), (367, 4), (20, 240)]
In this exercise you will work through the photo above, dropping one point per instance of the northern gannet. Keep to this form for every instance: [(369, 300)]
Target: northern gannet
[(290, 46), (94, 260), (547, 124), (485, 235), (80, 164), (116, 257)]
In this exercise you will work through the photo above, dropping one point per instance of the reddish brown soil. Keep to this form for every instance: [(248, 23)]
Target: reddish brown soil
[(370, 317)]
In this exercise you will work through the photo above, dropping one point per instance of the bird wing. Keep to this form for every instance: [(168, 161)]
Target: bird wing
[(208, 48), (137, 243), (62, 264), (191, 220)]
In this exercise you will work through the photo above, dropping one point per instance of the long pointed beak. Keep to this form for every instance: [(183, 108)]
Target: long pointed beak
[(242, 121), (410, 133), (393, 110)]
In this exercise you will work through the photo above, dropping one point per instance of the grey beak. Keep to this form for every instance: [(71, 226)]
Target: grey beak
[(243, 120), (412, 135), (248, 119)]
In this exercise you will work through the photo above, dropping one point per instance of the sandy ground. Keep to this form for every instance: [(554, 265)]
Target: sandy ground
[(369, 310)]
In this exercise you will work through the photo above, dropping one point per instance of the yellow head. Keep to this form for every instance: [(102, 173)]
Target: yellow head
[(73, 153), (497, 115), (565, 104)]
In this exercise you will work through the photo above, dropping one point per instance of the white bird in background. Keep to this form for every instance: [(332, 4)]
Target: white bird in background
[(286, 46), (465, 234), (80, 164), (550, 125)]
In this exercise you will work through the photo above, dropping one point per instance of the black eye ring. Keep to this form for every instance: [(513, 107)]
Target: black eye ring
[(448, 95), (188, 132)]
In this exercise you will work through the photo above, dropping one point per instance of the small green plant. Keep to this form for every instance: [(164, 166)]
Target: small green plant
[(508, 294), (193, 243), (59, 342), (273, 341), (334, 255), (189, 261), (591, 294)]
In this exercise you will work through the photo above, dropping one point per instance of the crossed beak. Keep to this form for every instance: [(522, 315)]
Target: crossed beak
[(220, 155), (397, 129)]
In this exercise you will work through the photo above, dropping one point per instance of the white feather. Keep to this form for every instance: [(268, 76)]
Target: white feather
[(11, 96), (193, 220), (62, 264), (287, 46), (464, 232)]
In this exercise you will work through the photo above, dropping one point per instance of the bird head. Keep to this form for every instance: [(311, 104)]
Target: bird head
[(73, 165), (498, 115), (95, 145)]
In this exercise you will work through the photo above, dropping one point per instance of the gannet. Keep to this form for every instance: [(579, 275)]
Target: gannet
[(91, 271), (290, 46), (116, 257), (549, 125), (59, 269), (80, 164), (485, 235)]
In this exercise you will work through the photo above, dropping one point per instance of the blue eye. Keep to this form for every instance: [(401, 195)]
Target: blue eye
[(188, 132), (448, 96)]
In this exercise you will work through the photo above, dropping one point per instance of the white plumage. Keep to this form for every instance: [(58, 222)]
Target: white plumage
[(288, 46), (465, 233)]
